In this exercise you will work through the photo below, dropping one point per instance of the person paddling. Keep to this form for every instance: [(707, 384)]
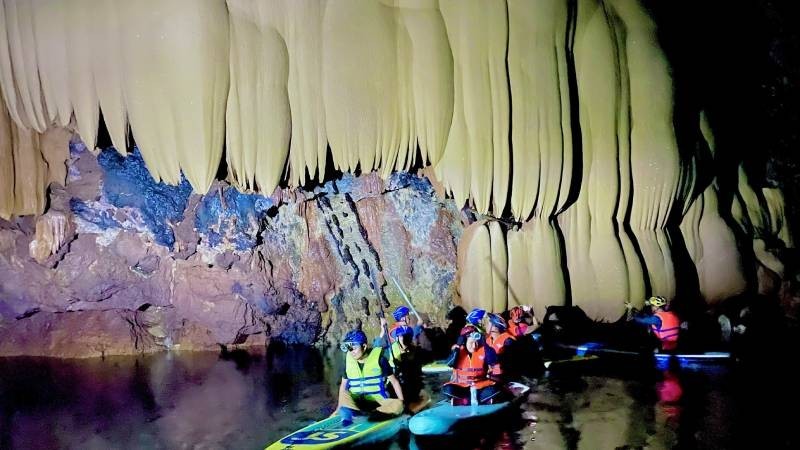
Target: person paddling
[(664, 323), (363, 386), (400, 315), (406, 360)]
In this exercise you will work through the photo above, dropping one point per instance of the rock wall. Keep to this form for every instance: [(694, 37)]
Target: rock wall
[(123, 264)]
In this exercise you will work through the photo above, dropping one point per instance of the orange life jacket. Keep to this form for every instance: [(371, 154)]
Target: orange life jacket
[(498, 345), (470, 370), (392, 328), (668, 332), (513, 328)]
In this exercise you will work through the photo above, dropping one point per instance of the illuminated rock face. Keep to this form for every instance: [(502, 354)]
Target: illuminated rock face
[(106, 272), (556, 116)]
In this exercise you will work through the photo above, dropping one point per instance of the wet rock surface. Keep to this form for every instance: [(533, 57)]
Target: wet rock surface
[(140, 266)]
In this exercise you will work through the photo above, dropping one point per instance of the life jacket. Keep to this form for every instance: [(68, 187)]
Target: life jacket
[(470, 370), (668, 332), (396, 353), (392, 328), (368, 380), (514, 328), (498, 344), (407, 370)]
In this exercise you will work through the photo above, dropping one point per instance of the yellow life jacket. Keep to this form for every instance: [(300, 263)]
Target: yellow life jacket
[(367, 380), (396, 353)]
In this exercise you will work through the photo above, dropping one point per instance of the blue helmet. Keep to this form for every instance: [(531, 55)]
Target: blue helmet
[(400, 312), (498, 322), (356, 337), (475, 316), (402, 330)]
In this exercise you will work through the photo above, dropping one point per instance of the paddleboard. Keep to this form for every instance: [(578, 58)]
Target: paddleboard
[(443, 417), (330, 433)]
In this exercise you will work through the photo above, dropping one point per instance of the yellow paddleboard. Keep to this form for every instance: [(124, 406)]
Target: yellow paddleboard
[(330, 433)]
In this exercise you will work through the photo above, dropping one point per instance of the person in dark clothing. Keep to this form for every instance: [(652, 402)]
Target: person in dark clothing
[(406, 360), (458, 319)]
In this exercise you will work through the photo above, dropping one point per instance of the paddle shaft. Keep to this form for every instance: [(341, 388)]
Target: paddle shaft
[(405, 297)]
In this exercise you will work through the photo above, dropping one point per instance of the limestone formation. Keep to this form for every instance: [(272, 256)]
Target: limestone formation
[(551, 124)]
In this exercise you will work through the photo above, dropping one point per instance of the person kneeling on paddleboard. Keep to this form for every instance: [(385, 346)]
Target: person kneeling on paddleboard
[(471, 362), (501, 340), (664, 324), (363, 386), (407, 359)]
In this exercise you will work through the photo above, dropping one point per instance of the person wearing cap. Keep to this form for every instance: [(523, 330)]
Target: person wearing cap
[(363, 385), (664, 324), (499, 339), (471, 363), (406, 359)]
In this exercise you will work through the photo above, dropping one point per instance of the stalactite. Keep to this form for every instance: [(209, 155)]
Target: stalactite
[(360, 84), (258, 122), (475, 162), (540, 105), (176, 80)]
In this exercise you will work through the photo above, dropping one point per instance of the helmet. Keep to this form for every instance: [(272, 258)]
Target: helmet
[(498, 322), (656, 301), (475, 316), (402, 330), (356, 337), (400, 312), (516, 313)]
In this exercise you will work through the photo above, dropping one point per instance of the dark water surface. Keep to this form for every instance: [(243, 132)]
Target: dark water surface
[(208, 401)]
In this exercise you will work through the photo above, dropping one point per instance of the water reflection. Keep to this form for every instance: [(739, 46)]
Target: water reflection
[(239, 401)]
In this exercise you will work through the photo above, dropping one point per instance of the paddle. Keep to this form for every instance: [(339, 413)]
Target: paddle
[(405, 297)]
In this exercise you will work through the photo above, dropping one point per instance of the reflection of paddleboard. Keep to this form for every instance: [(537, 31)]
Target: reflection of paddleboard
[(436, 367), (330, 433), (442, 418)]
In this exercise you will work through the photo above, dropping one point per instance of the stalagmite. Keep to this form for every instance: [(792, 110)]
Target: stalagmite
[(257, 118), (51, 231), (475, 162)]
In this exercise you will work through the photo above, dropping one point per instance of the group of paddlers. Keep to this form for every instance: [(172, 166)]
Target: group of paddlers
[(385, 379)]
